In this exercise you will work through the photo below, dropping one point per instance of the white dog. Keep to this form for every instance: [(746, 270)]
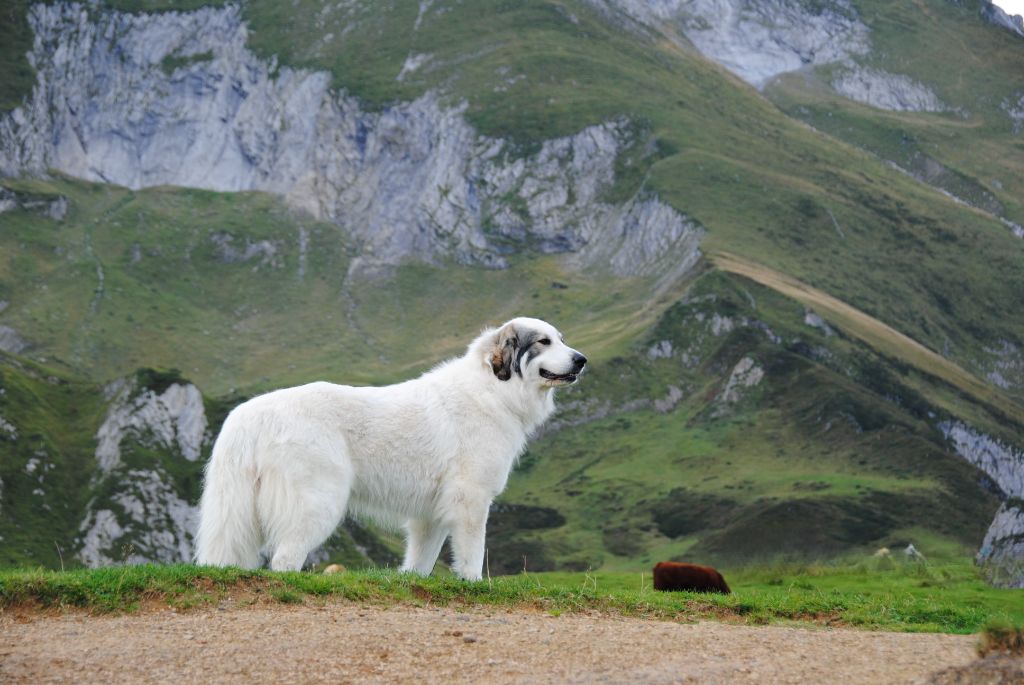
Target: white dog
[(430, 454)]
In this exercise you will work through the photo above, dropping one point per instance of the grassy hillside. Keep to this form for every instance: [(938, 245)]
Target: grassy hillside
[(46, 444), (973, 67), (238, 292), (765, 186), (834, 448), (719, 420), (972, 150)]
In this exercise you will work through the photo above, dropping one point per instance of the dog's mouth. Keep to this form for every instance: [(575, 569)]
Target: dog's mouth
[(559, 378)]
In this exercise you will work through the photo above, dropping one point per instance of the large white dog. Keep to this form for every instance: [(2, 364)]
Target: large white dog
[(430, 454)]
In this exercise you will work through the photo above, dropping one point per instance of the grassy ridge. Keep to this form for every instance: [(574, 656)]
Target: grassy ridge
[(947, 598), (879, 336)]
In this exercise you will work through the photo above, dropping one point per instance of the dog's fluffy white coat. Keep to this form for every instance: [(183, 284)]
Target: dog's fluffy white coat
[(429, 454)]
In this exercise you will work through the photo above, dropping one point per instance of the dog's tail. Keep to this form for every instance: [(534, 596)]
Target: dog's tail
[(229, 529)]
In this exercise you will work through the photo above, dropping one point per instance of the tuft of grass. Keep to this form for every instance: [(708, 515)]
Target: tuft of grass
[(1001, 636), (285, 596)]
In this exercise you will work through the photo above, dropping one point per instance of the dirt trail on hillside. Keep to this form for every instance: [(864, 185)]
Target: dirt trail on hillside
[(346, 643)]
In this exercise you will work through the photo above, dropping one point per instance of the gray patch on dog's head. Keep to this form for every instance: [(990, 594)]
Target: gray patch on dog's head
[(526, 349)]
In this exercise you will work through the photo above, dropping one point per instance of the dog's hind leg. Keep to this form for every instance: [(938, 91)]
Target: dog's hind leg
[(302, 500), (310, 523), (423, 542)]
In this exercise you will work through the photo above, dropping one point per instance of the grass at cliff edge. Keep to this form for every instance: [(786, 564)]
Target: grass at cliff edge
[(949, 598)]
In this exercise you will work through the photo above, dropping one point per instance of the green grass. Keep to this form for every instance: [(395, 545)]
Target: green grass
[(43, 467), (947, 598)]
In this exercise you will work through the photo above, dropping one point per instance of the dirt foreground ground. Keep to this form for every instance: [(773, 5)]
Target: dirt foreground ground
[(347, 643)]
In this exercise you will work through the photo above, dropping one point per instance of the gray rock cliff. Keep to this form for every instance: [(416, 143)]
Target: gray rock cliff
[(141, 516), (883, 90), (996, 15), (1003, 546), (176, 98), (757, 41)]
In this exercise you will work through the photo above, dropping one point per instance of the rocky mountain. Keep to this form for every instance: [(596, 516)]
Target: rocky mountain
[(177, 99), (787, 233)]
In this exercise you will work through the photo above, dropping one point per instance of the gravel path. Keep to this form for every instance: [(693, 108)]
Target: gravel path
[(347, 643)]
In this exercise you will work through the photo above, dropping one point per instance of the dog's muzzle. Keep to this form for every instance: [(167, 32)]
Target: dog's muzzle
[(578, 362)]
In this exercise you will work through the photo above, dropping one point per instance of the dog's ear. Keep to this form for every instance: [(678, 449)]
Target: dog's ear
[(503, 355)]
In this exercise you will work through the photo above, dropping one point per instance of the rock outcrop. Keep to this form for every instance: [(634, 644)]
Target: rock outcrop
[(746, 374), (138, 514), (995, 14), (173, 420), (757, 41), (145, 521), (883, 90), (54, 208), (176, 98), (1003, 546)]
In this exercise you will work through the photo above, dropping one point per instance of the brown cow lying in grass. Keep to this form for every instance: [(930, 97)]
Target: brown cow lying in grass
[(671, 576)]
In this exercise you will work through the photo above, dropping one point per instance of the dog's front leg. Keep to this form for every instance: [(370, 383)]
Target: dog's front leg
[(469, 527), (423, 543)]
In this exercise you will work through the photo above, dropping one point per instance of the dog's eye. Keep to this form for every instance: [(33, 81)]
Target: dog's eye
[(545, 341)]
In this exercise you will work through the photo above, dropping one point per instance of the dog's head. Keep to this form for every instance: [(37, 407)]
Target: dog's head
[(534, 351)]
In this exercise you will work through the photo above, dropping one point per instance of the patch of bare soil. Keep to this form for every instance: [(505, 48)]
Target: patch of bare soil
[(347, 643)]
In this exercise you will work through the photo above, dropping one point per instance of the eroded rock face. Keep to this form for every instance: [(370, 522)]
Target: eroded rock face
[(176, 98), (1003, 546), (997, 16), (145, 521), (1002, 463), (54, 208), (883, 90), (1014, 108), (11, 341), (757, 41), (139, 514), (746, 374), (173, 420)]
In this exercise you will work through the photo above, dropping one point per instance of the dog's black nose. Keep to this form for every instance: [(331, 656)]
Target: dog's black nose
[(578, 361)]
